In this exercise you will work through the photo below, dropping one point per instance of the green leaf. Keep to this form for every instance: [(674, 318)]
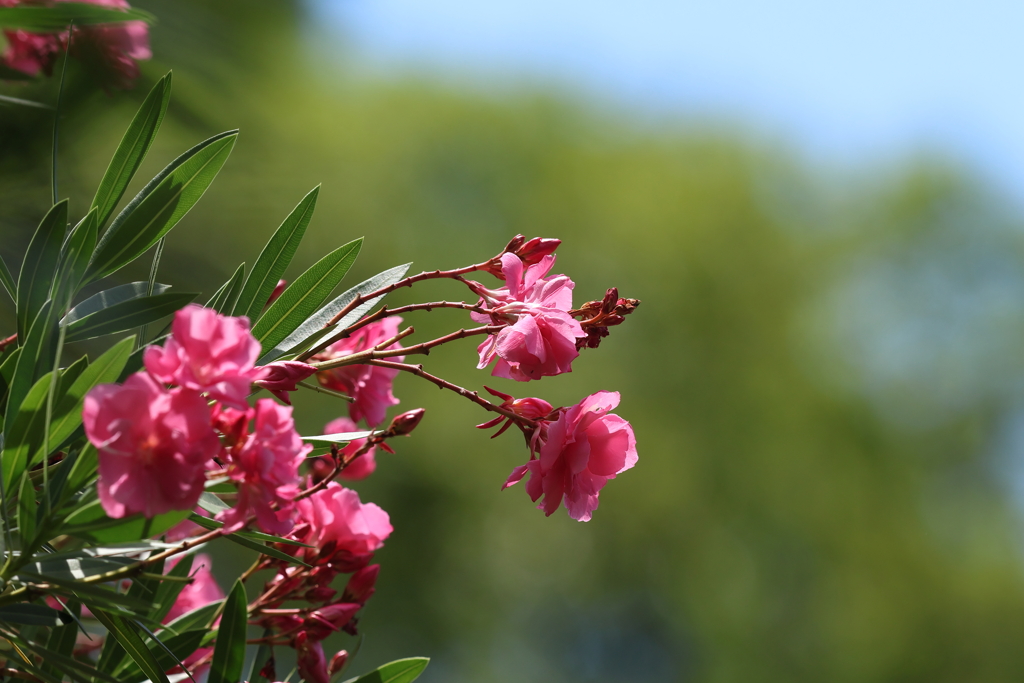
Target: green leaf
[(208, 523), (131, 641), (74, 668), (275, 257), (93, 592), (132, 149), (40, 264), (225, 297), (167, 591), (157, 209), (229, 653), (168, 653), (32, 352), (62, 639), (24, 432), (305, 295), (128, 315), (197, 618), (74, 259), (57, 18), (398, 671), (33, 615), (72, 569), (7, 280), (143, 589), (27, 513), (315, 327), (91, 522), (111, 297)]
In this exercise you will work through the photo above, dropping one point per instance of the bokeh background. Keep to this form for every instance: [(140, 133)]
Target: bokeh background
[(825, 376)]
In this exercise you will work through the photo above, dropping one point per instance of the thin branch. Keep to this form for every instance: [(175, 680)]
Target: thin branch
[(364, 357)]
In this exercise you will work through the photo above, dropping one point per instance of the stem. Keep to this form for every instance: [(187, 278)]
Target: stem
[(324, 390), (4, 343), (384, 313), (405, 282), (365, 357), (465, 393)]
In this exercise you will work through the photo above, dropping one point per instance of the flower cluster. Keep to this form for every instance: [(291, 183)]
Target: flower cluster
[(110, 52), (158, 446)]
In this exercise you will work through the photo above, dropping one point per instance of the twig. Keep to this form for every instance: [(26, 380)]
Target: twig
[(364, 357)]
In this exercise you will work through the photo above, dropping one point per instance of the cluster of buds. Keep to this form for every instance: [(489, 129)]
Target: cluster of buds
[(597, 316)]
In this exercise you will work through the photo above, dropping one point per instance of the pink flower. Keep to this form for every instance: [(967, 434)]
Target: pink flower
[(360, 585), (540, 340), (109, 51), (311, 661), (282, 376), (201, 592), (153, 445), (265, 467), (584, 448), (343, 526), (208, 352), (369, 385), (361, 467)]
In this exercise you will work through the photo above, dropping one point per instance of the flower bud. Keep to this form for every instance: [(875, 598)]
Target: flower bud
[(319, 594), (278, 290), (403, 424), (536, 249), (283, 376), (311, 662), (338, 662), (361, 584)]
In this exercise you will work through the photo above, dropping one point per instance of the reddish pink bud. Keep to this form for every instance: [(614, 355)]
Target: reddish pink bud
[(311, 662), (232, 423), (361, 585), (319, 594), (283, 376), (338, 614), (536, 249), (403, 424), (278, 289), (338, 662)]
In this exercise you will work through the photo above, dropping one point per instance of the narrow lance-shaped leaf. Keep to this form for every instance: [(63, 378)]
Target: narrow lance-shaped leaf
[(74, 260), (39, 264), (315, 327), (305, 295), (275, 257), (399, 671), (31, 615), (132, 149), (225, 297), (127, 315), (7, 280), (158, 208), (110, 297), (32, 350), (27, 514), (229, 653), (133, 643)]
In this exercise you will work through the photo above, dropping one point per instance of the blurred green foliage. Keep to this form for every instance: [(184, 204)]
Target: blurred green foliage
[(820, 494)]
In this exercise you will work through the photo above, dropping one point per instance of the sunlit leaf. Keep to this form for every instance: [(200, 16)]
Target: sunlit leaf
[(158, 208), (304, 296), (224, 298), (398, 671), (40, 264), (127, 315), (43, 19), (132, 149), (111, 297), (275, 257), (229, 653)]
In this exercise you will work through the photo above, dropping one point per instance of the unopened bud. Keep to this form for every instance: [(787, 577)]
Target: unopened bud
[(338, 662), (403, 424), (361, 585), (536, 249), (278, 289)]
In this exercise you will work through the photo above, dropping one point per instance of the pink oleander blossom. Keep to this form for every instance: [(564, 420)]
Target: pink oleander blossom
[(361, 467), (211, 353), (265, 467), (153, 445), (584, 448), (283, 376), (110, 52), (368, 385), (339, 522), (201, 592), (540, 339)]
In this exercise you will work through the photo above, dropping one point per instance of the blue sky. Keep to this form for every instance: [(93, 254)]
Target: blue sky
[(846, 81)]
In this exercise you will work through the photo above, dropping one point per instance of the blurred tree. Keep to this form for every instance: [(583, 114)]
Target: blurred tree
[(779, 526)]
